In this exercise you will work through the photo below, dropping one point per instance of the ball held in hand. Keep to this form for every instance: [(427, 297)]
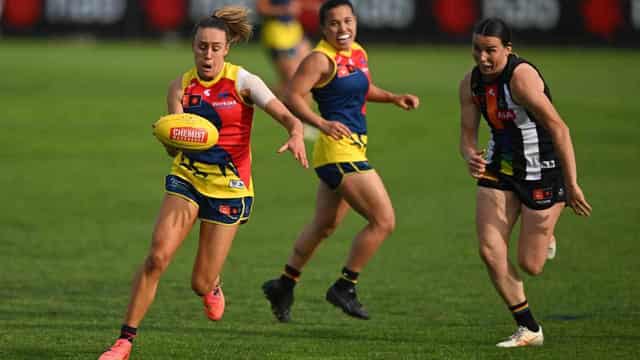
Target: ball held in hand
[(186, 132)]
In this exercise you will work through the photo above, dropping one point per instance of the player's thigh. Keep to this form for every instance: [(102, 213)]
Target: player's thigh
[(331, 207), (175, 219), (496, 213), (365, 192), (213, 246), (536, 230)]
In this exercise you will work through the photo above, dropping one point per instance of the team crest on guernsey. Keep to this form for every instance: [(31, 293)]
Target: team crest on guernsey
[(189, 100)]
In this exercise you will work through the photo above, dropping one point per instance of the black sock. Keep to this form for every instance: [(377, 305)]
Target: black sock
[(523, 316), (289, 277), (348, 280), (128, 332)]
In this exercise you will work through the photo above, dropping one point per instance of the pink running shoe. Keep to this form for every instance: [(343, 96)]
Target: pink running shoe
[(214, 304), (119, 351)]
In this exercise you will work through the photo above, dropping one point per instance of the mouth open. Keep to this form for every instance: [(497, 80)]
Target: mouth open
[(486, 67), (344, 38)]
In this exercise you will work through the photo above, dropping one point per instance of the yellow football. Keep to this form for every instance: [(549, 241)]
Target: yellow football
[(186, 132)]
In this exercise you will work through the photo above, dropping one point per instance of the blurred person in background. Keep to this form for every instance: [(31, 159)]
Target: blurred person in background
[(337, 74), (284, 38), (214, 185), (528, 172)]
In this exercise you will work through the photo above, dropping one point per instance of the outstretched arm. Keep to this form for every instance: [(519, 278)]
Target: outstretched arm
[(527, 88), (255, 91), (295, 143), (404, 101), (469, 123)]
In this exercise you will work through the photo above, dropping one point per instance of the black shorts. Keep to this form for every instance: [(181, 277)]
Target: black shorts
[(536, 195), (333, 174)]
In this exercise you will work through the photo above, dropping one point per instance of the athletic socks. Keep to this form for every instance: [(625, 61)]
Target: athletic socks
[(523, 316), (128, 332), (348, 280), (289, 277)]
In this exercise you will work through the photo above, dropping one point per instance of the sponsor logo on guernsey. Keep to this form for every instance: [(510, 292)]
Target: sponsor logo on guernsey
[(236, 184), (224, 103), (506, 115), (189, 134)]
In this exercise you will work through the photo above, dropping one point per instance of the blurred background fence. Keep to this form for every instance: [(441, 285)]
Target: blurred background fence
[(614, 23)]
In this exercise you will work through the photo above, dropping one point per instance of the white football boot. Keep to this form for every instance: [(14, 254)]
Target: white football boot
[(551, 249), (523, 337)]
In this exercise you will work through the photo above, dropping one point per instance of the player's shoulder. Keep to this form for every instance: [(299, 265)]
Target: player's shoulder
[(465, 82), (323, 47)]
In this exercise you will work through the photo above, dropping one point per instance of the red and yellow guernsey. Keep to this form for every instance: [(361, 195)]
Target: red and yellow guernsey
[(223, 171)]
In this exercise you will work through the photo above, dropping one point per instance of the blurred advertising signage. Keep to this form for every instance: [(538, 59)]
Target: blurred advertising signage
[(525, 14), (605, 22), (394, 14), (598, 22), (26, 14)]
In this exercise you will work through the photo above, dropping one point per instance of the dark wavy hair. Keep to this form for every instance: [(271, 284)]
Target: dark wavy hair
[(494, 27)]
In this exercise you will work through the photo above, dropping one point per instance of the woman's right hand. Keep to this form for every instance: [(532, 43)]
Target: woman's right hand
[(335, 129), (476, 163)]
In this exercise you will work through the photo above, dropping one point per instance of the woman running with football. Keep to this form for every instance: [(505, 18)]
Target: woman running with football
[(528, 172), (337, 75), (213, 185)]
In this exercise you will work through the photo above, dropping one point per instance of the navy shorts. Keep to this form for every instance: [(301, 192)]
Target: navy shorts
[(536, 195), (220, 211), (332, 174)]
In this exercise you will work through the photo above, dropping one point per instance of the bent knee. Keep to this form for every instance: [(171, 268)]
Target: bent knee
[(385, 224), (532, 268)]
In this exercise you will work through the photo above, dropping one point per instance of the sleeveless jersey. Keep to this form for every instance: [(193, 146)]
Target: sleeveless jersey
[(343, 98), (519, 146), (224, 171)]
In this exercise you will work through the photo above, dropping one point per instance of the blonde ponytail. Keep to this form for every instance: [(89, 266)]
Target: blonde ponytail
[(237, 20)]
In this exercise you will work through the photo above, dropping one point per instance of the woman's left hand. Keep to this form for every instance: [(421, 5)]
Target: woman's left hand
[(295, 144), (577, 201), (406, 101)]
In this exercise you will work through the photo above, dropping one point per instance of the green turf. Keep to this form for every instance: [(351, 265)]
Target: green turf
[(82, 179)]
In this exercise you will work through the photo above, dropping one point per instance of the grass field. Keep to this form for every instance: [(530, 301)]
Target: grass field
[(82, 179)]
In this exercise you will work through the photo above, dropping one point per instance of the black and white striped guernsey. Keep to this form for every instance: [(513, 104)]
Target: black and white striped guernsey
[(519, 146)]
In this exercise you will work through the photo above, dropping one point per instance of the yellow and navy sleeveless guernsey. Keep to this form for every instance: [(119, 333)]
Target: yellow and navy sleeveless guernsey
[(343, 98), (223, 171), (282, 33), (520, 147)]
